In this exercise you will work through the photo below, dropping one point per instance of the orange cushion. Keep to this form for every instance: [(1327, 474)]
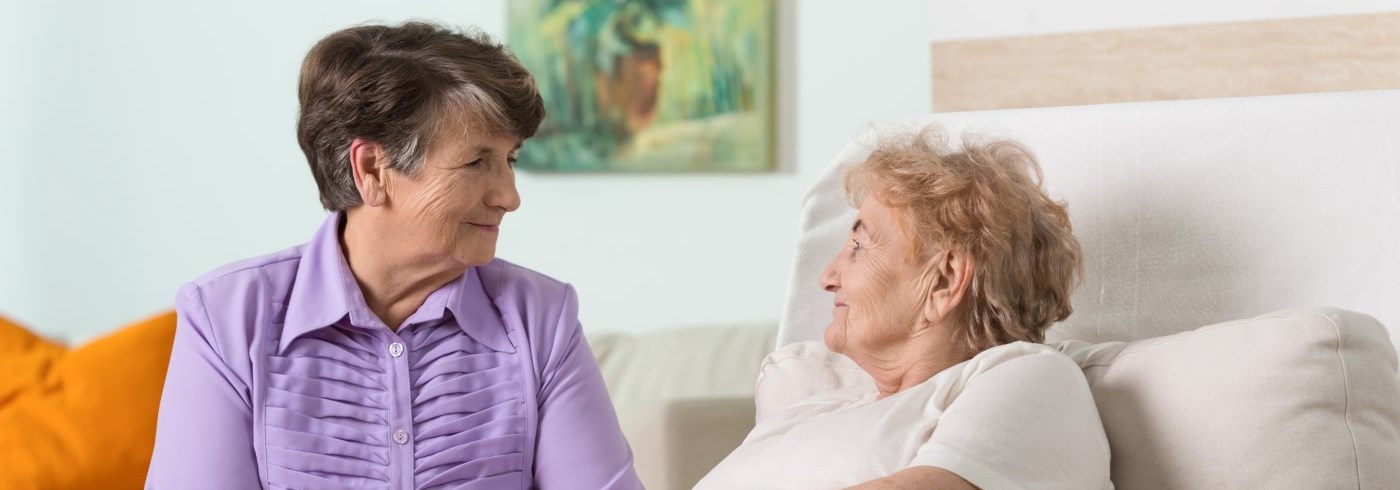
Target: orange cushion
[(25, 358), (87, 419)]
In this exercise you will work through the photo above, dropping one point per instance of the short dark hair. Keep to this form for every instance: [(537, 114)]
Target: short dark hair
[(399, 86)]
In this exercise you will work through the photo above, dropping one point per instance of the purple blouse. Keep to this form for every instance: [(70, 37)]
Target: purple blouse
[(281, 377)]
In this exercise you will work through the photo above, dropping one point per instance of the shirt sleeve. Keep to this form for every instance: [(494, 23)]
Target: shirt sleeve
[(204, 430), (580, 443), (1027, 422)]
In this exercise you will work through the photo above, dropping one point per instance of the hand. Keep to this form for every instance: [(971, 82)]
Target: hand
[(918, 478)]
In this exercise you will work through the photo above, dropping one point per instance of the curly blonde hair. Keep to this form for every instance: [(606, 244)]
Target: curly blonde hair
[(987, 199)]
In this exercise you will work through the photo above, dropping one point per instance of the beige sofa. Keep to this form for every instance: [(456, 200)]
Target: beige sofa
[(685, 397)]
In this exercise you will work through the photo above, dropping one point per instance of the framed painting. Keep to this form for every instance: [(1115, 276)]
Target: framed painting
[(649, 85)]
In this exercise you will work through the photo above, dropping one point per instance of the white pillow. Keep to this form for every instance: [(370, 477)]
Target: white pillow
[(1292, 399)]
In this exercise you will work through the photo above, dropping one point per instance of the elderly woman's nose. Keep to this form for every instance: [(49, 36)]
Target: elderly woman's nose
[(830, 280), (503, 194)]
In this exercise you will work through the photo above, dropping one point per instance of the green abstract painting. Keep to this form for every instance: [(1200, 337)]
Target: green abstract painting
[(649, 85)]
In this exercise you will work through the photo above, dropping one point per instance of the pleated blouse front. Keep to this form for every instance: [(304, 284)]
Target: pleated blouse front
[(281, 377), (343, 404)]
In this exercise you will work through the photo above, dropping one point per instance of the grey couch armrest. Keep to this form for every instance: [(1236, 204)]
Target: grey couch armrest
[(700, 432)]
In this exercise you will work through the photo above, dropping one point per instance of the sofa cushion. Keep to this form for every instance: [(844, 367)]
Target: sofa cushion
[(677, 442), (86, 418), (684, 397), (698, 362), (1292, 399)]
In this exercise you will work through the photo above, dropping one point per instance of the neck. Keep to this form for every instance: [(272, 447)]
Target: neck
[(908, 363), (394, 280)]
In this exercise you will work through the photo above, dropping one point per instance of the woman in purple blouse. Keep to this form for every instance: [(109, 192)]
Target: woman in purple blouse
[(393, 350)]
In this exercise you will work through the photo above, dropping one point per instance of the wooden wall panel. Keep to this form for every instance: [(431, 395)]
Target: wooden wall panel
[(1318, 54)]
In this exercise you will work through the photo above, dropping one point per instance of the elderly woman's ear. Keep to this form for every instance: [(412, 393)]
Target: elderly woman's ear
[(950, 274), (368, 164)]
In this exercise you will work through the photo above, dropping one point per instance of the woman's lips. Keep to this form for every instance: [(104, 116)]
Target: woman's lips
[(487, 228)]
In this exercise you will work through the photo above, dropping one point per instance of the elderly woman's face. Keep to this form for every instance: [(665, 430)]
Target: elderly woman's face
[(453, 208), (874, 278)]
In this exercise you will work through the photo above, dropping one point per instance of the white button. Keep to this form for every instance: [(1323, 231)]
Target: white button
[(400, 436), (396, 349)]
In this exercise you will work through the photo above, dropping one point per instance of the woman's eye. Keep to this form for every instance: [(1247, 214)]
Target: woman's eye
[(511, 161), (856, 246), (473, 164)]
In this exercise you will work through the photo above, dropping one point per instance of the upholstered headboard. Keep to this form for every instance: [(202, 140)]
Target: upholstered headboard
[(1189, 212)]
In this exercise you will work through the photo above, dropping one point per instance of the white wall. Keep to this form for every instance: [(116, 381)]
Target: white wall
[(149, 141), (158, 142), (15, 178)]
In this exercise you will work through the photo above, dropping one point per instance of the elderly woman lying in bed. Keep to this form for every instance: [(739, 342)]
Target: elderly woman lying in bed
[(956, 264)]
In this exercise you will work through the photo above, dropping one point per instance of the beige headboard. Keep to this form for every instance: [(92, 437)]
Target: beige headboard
[(1291, 56)]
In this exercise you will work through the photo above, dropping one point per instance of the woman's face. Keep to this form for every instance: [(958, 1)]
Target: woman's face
[(874, 278), (453, 208)]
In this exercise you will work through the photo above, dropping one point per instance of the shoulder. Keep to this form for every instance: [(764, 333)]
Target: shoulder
[(1021, 370), (240, 276), (525, 290), (1036, 361), (543, 309), (227, 302), (1018, 415)]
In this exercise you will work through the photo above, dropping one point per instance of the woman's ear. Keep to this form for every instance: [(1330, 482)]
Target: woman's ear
[(366, 164), (952, 271)]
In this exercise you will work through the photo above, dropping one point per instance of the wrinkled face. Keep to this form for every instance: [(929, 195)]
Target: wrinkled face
[(874, 278), (452, 209)]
